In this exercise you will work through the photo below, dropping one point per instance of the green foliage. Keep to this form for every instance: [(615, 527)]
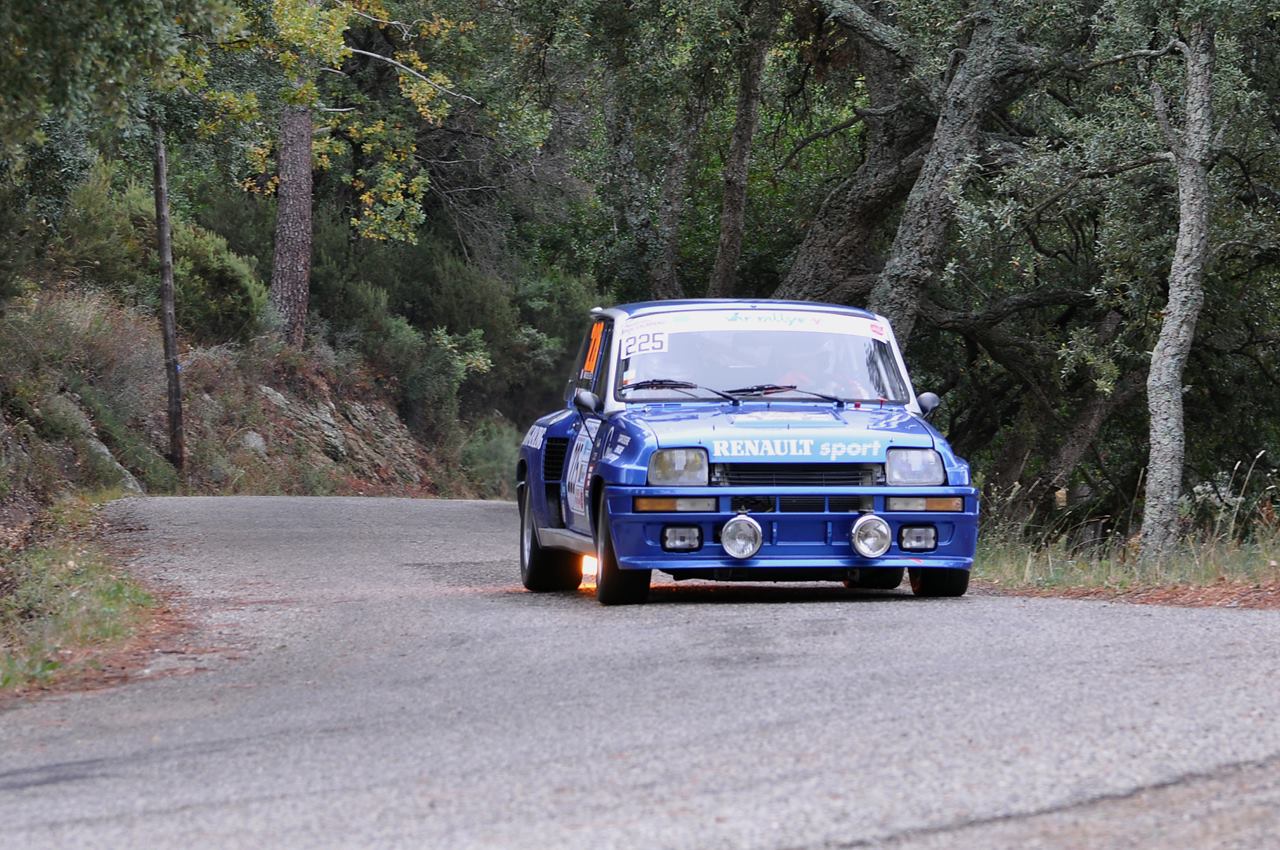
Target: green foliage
[(218, 296), (104, 239), (489, 458), (84, 56), (107, 238), (62, 597), (129, 447), (431, 384)]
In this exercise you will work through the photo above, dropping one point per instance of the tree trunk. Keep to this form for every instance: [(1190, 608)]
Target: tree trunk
[(839, 258), (663, 279), (1191, 155), (626, 181), (919, 246), (733, 207), (291, 266), (168, 320)]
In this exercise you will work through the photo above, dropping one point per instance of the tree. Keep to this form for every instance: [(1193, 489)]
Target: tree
[(1191, 149), (309, 41), (291, 263), (761, 20), (54, 62)]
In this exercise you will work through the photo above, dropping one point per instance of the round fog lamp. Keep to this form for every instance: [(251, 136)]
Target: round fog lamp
[(870, 536), (741, 537)]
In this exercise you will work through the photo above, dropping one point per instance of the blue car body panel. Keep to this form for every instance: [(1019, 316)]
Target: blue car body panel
[(569, 458)]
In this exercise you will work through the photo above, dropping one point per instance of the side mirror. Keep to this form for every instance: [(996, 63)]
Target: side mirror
[(586, 401), (928, 403)]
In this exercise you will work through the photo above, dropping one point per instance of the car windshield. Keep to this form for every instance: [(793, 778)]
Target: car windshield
[(756, 352)]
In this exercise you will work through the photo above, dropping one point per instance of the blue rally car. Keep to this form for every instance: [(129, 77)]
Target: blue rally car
[(742, 441)]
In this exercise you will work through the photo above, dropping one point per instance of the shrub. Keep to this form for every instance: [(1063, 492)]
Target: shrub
[(218, 298), (489, 458), (107, 239), (430, 395)]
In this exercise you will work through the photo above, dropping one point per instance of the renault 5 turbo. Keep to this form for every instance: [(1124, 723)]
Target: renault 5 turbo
[(742, 441)]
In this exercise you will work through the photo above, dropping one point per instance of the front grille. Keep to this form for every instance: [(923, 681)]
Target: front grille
[(752, 504), (553, 458), (802, 504), (799, 474), (851, 504)]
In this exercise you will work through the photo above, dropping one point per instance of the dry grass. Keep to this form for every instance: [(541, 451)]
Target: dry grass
[(1117, 566), (64, 598)]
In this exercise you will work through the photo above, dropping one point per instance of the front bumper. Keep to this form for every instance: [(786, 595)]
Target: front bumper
[(800, 540)]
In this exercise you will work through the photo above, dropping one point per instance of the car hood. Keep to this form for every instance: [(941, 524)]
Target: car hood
[(781, 433)]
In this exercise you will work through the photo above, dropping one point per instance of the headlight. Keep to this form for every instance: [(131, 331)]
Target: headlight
[(915, 468), (678, 467)]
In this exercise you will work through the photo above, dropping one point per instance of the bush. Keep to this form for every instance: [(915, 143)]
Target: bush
[(430, 395), (107, 239), (489, 457), (218, 298)]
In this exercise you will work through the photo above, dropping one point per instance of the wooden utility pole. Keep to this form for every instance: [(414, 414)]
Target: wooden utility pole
[(168, 319)]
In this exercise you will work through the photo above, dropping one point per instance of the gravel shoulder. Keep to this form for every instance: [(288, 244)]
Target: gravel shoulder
[(367, 672)]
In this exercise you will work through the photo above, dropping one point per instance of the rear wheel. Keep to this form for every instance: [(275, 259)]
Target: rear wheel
[(544, 570), (615, 586), (939, 582), (876, 578)]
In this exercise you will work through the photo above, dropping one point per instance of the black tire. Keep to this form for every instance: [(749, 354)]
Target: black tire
[(876, 578), (939, 582), (615, 586), (544, 570)]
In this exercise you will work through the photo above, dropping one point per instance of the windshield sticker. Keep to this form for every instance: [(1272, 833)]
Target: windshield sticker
[(648, 342), (783, 416), (797, 448), (593, 353), (762, 320)]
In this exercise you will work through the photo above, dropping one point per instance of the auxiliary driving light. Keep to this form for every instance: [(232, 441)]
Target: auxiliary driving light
[(680, 538), (741, 537), (954, 504), (662, 504), (919, 538), (870, 536)]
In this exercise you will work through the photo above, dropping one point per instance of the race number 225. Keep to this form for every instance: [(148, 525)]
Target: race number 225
[(645, 343)]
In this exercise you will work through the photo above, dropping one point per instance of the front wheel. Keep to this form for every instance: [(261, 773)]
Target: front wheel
[(614, 585), (544, 570), (939, 582)]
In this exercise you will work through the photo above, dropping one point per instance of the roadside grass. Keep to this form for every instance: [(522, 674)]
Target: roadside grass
[(1198, 561), (63, 598)]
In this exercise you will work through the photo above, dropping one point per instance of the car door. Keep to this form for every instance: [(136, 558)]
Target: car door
[(592, 374)]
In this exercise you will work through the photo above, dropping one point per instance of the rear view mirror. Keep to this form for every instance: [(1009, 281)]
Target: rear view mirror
[(928, 403), (587, 401)]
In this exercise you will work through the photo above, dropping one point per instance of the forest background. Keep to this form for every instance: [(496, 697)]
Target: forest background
[(1068, 209)]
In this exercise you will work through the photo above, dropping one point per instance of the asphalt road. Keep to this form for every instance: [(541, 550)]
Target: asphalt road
[(367, 672)]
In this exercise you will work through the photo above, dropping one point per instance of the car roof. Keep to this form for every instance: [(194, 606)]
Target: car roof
[(642, 308)]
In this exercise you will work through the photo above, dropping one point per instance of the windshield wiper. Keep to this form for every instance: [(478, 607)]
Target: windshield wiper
[(673, 384), (769, 389)]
